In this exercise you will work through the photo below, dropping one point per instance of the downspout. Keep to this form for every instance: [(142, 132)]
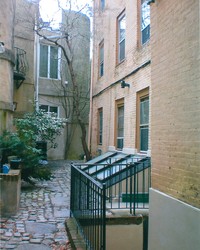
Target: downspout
[(91, 109), (91, 93), (36, 63)]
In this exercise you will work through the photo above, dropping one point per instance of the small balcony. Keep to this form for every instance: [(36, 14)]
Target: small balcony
[(21, 66)]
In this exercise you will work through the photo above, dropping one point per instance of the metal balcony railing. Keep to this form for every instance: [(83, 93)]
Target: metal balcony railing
[(21, 66), (113, 181)]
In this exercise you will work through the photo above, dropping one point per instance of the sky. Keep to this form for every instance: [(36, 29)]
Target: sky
[(49, 8)]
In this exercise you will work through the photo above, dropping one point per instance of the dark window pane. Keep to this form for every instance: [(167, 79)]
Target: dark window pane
[(44, 107), (54, 62), (101, 71), (102, 4), (144, 133), (120, 143), (145, 21), (120, 130), (144, 111), (53, 110), (146, 34), (122, 28), (122, 50), (100, 126), (43, 60), (144, 123), (121, 42)]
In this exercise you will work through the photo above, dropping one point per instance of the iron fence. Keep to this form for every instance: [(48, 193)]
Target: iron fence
[(88, 207), (98, 189)]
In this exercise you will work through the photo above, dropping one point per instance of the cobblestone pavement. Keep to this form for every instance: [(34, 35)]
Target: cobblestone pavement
[(41, 216)]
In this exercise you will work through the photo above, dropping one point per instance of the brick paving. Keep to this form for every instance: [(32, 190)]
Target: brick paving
[(43, 210)]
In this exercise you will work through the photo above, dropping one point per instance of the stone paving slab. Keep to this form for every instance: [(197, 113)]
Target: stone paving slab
[(40, 228), (33, 247), (40, 221)]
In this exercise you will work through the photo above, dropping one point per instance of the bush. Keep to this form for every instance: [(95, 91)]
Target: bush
[(36, 126)]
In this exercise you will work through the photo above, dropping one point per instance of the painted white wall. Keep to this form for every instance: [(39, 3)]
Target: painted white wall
[(173, 225)]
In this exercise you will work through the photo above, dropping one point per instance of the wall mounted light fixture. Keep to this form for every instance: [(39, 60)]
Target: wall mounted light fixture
[(150, 1), (2, 48), (124, 84)]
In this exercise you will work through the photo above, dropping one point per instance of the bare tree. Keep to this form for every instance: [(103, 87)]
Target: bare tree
[(73, 39)]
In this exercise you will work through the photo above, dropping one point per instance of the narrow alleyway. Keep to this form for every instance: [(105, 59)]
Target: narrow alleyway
[(39, 224)]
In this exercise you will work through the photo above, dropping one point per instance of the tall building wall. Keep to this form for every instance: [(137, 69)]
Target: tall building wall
[(7, 14), (106, 90), (58, 92), (174, 208), (176, 99), (25, 39)]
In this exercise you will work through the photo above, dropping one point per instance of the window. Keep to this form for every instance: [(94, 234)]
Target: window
[(145, 21), (53, 110), (120, 125), (144, 123), (102, 4), (100, 126), (142, 136), (49, 61), (121, 37), (101, 59)]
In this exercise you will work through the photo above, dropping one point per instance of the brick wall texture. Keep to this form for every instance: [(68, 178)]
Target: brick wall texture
[(175, 110), (106, 90)]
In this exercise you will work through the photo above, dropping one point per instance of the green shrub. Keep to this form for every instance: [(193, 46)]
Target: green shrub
[(33, 127)]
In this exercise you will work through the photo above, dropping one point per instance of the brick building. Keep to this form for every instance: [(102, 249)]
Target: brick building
[(174, 214), (120, 88), (145, 99)]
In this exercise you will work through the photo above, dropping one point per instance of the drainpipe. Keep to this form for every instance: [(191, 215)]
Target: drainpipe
[(91, 109), (36, 62), (36, 80), (91, 93)]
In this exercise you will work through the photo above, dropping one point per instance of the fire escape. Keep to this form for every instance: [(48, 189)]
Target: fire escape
[(21, 66)]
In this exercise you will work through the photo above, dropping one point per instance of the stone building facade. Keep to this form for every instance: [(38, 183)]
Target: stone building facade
[(55, 91), (119, 115), (6, 63), (17, 62), (22, 86)]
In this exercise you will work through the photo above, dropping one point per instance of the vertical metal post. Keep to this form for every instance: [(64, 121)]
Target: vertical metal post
[(134, 191), (104, 218), (131, 189), (72, 191)]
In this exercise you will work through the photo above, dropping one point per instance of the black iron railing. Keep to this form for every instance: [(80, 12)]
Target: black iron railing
[(88, 207), (21, 65), (121, 183)]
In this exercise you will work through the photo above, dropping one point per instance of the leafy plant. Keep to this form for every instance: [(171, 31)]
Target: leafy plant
[(39, 126), (23, 143)]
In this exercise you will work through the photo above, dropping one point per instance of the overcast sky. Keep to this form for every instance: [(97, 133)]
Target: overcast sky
[(49, 9)]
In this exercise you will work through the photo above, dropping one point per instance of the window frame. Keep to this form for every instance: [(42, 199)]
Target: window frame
[(146, 29), (102, 4), (141, 95), (101, 60), (49, 61), (100, 126), (49, 110), (119, 104), (119, 40)]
